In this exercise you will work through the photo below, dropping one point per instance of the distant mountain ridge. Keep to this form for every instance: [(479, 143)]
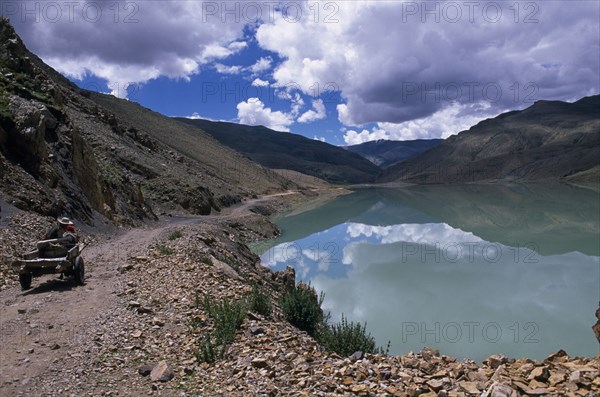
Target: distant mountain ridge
[(550, 140), (283, 150), (385, 153)]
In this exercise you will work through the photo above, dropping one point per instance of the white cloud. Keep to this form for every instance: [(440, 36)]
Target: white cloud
[(352, 137), (311, 115), (297, 103), (391, 66), (261, 65), (146, 41), (195, 116), (448, 121), (319, 138), (254, 112), (224, 69), (260, 83)]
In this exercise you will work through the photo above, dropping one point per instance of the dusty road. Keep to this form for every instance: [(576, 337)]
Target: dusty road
[(43, 326)]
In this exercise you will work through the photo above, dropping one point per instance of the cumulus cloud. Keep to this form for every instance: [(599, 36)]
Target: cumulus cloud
[(261, 65), (317, 113), (260, 83), (352, 137), (127, 42), (254, 112), (395, 64), (445, 122), (224, 69)]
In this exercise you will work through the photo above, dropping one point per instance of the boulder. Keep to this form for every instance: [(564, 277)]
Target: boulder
[(162, 372)]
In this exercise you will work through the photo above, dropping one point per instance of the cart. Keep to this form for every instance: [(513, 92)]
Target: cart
[(56, 256)]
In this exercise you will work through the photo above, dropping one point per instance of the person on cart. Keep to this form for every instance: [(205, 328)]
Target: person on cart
[(64, 229)]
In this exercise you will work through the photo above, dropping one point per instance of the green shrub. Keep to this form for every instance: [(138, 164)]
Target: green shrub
[(228, 316), (259, 301), (302, 308), (164, 250), (346, 338), (175, 235), (210, 352)]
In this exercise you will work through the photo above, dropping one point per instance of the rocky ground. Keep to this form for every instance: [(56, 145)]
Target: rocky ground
[(136, 327)]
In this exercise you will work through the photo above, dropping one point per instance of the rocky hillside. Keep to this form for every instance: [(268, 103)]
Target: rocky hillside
[(385, 153), (551, 140), (67, 151), (281, 150)]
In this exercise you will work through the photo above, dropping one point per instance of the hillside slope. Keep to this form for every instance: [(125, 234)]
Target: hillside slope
[(550, 140), (281, 150), (67, 151), (385, 153)]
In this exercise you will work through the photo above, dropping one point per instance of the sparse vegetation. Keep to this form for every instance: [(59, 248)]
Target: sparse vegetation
[(205, 259), (302, 308), (164, 250), (259, 302), (345, 338), (175, 235), (228, 316)]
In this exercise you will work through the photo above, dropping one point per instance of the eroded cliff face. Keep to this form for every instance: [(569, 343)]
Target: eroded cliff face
[(46, 164)]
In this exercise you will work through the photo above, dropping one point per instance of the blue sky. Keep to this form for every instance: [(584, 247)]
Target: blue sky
[(341, 71)]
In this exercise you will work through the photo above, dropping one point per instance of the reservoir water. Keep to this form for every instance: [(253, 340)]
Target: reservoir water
[(471, 270)]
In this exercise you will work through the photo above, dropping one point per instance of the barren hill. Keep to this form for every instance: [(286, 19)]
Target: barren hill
[(67, 151), (550, 140), (282, 150)]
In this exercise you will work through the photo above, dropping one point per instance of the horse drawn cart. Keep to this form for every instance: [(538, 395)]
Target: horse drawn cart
[(56, 256)]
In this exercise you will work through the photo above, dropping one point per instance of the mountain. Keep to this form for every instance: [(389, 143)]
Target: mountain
[(385, 153), (282, 150), (550, 140), (68, 151)]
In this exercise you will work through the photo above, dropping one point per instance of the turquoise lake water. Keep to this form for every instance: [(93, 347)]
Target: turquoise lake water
[(471, 270)]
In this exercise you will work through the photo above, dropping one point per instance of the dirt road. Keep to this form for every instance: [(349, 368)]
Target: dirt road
[(42, 327)]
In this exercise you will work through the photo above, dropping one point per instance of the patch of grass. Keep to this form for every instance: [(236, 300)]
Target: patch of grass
[(164, 250), (346, 338), (175, 235), (302, 308), (205, 259), (259, 301)]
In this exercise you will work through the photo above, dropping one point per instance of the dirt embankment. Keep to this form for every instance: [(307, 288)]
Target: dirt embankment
[(140, 307)]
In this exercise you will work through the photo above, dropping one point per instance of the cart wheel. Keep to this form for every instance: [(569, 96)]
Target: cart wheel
[(25, 280), (79, 270)]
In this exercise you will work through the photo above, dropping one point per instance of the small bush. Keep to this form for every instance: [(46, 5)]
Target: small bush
[(302, 308), (210, 352), (346, 338), (175, 235), (228, 317), (259, 302), (164, 250)]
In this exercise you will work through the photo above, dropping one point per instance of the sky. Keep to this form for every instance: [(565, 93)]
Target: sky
[(344, 72)]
